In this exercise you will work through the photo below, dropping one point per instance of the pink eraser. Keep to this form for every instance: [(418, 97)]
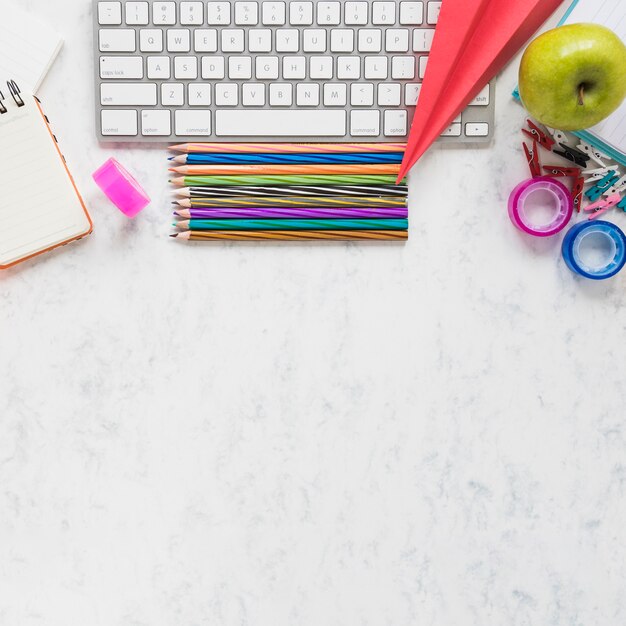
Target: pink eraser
[(121, 188)]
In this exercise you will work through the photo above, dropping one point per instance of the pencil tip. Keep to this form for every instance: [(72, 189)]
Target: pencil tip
[(174, 235)]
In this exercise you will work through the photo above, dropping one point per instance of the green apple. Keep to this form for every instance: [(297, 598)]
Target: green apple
[(574, 76)]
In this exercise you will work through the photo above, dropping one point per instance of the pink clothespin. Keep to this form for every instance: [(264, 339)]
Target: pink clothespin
[(532, 156), (539, 135), (603, 205)]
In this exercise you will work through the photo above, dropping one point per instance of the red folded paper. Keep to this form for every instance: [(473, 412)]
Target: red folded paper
[(501, 27)]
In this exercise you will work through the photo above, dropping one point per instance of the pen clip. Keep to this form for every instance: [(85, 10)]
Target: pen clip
[(536, 134), (14, 90), (3, 109)]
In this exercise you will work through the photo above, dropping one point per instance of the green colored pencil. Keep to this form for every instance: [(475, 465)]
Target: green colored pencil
[(294, 224), (287, 179)]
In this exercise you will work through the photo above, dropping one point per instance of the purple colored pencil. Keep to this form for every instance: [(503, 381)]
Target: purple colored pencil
[(304, 213)]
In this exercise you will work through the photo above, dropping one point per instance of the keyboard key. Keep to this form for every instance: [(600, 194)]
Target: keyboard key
[(403, 68), (218, 13), (109, 13), (253, 94), (260, 40), (178, 40), (294, 67), (362, 94), (280, 123), (191, 13), (422, 66), (164, 13), (273, 13), (191, 123), (314, 40), (267, 67), (328, 13), (137, 13), (341, 40), (412, 93), (205, 40), (128, 94), (117, 40), (376, 67), (185, 68), (212, 67), (389, 94), (423, 39), (156, 123), (226, 94), (397, 40), (355, 13), (384, 13), (121, 67), (239, 67), (365, 123), (477, 129), (159, 68), (233, 40), (370, 40), (119, 123), (307, 94), (348, 67), (287, 40), (246, 13), (172, 94), (395, 123), (280, 94), (301, 13), (198, 94), (411, 13), (151, 40), (482, 99), (433, 12), (321, 67), (335, 94), (454, 130)]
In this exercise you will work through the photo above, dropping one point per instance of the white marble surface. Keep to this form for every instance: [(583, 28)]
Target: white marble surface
[(337, 435)]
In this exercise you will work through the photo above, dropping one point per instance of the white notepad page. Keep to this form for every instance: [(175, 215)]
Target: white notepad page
[(612, 14), (39, 207), (28, 47)]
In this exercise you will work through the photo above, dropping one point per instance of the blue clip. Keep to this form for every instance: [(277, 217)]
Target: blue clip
[(600, 187), (622, 204)]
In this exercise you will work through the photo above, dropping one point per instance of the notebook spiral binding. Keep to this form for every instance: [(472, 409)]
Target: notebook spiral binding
[(15, 92)]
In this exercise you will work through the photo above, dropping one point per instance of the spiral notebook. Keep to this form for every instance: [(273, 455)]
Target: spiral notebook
[(41, 207)]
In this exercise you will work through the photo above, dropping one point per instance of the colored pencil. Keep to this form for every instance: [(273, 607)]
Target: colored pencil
[(354, 157), (294, 224), (292, 190), (293, 235), (276, 212), (265, 148), (294, 202), (307, 179), (272, 169)]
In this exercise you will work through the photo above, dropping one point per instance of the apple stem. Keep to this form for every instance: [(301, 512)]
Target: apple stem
[(581, 94)]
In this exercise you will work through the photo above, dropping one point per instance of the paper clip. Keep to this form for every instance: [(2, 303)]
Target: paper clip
[(577, 193), (538, 135), (14, 90), (3, 109), (559, 172), (602, 206), (572, 154), (593, 153), (602, 186), (593, 175), (532, 156)]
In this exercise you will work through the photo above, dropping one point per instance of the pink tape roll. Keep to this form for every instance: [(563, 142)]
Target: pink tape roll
[(121, 188), (560, 199)]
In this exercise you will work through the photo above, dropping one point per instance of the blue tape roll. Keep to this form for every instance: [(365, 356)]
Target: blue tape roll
[(606, 236)]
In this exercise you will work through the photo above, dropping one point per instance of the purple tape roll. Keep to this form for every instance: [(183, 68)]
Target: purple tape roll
[(555, 197)]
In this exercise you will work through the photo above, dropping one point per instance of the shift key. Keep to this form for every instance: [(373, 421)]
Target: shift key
[(128, 94)]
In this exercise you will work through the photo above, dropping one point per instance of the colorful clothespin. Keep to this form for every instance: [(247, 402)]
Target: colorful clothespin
[(619, 186), (602, 186), (577, 193), (572, 154), (538, 135), (559, 172), (593, 153), (594, 175), (558, 135), (532, 156), (622, 204), (602, 206)]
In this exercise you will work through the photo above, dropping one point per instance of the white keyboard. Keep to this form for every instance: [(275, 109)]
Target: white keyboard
[(267, 70)]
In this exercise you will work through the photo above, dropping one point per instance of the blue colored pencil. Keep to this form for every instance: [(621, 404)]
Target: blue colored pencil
[(227, 158)]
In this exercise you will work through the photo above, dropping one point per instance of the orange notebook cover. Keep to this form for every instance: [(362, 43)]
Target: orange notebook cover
[(503, 28), (40, 206)]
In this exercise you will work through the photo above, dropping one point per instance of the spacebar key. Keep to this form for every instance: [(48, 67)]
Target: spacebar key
[(280, 123)]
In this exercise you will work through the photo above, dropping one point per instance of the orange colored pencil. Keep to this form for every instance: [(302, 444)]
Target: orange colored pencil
[(287, 148), (281, 170)]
